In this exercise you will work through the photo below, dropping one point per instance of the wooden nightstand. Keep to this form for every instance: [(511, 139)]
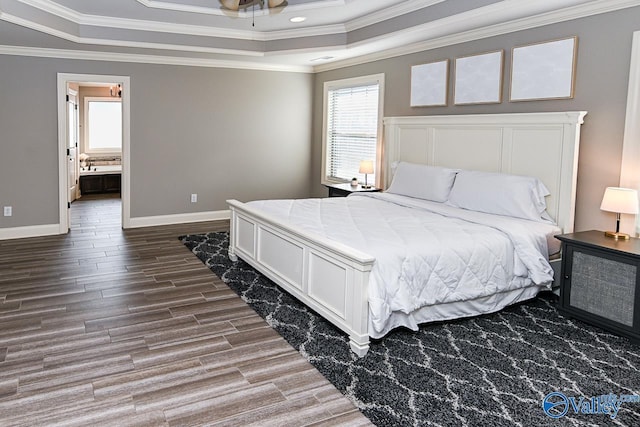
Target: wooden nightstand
[(600, 281), (343, 190)]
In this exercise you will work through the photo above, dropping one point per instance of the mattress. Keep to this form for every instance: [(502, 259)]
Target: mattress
[(427, 254), (553, 245)]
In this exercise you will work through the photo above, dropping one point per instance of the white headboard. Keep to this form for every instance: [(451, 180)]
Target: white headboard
[(544, 145)]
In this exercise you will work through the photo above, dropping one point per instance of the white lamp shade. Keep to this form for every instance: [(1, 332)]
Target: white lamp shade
[(620, 200), (366, 166)]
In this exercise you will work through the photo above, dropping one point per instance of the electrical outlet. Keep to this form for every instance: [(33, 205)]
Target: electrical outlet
[(194, 198), (8, 211)]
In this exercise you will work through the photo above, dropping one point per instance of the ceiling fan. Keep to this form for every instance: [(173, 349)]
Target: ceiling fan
[(243, 4)]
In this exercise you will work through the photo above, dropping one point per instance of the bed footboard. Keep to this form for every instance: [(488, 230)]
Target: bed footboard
[(325, 275)]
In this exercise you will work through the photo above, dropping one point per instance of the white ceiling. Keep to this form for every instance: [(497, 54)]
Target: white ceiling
[(335, 33)]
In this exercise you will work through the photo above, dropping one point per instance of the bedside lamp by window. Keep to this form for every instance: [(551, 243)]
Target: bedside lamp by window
[(366, 167), (619, 200)]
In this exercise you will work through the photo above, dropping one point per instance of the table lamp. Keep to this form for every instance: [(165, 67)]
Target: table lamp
[(620, 201), (366, 167)]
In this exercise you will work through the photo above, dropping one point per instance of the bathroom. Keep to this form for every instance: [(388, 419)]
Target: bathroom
[(97, 124)]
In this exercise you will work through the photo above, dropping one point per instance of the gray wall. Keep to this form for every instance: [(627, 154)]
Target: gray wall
[(604, 49), (246, 134), (217, 132)]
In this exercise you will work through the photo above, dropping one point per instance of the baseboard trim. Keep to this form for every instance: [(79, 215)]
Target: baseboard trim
[(139, 222), (152, 221), (29, 231)]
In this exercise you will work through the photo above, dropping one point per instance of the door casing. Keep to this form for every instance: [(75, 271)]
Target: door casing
[(63, 81), (72, 145)]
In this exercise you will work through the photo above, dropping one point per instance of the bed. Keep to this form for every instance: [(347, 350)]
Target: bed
[(338, 273)]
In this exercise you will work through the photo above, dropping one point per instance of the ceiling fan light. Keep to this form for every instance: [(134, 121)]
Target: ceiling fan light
[(230, 4), (276, 3)]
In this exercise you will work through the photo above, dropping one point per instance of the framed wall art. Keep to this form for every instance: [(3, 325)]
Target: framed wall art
[(544, 70), (429, 84), (478, 78)]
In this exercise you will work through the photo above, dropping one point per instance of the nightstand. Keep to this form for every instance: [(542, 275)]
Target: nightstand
[(600, 280), (343, 190)]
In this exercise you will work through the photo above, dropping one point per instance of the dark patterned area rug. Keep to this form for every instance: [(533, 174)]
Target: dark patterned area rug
[(492, 370)]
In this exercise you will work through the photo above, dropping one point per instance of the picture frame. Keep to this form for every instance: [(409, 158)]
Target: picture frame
[(544, 70), (478, 78), (429, 84)]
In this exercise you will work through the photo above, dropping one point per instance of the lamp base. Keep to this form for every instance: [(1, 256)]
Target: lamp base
[(366, 187), (616, 235)]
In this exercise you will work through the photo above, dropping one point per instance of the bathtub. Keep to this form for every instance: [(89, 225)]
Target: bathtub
[(101, 170)]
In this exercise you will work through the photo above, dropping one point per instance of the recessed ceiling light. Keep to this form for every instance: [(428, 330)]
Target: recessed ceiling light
[(297, 19)]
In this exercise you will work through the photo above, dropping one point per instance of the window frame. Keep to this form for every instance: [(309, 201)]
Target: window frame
[(345, 83), (86, 143)]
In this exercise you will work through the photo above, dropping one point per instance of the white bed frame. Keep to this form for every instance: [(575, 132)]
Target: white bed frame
[(331, 278)]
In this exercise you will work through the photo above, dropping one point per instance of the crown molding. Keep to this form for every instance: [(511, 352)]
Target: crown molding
[(390, 45), (389, 13), (54, 9), (197, 30), (148, 59), (165, 27), (66, 13), (183, 29), (573, 12), (229, 33), (294, 33), (106, 22), (124, 43), (139, 25)]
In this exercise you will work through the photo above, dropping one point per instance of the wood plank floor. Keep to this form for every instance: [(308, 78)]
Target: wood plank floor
[(110, 327)]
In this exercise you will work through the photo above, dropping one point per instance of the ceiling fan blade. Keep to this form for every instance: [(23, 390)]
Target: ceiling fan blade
[(230, 4), (276, 6)]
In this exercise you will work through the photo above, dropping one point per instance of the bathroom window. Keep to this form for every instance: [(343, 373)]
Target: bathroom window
[(103, 129)]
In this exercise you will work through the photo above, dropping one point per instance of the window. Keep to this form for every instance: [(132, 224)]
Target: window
[(352, 127), (103, 117)]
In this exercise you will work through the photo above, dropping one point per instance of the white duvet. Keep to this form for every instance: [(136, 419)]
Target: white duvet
[(426, 253)]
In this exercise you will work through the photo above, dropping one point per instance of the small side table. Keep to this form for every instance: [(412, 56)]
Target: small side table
[(600, 283), (344, 189)]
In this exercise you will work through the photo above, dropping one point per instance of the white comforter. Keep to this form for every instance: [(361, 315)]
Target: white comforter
[(426, 253)]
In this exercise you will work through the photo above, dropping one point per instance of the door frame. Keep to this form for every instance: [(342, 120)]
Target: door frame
[(62, 83), (75, 94)]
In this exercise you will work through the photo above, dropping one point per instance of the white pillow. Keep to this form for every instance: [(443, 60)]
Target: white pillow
[(422, 181), (500, 194)]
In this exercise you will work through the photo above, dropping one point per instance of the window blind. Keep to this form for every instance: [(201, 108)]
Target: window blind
[(352, 130)]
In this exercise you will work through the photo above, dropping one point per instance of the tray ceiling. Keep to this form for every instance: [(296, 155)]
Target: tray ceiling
[(201, 32)]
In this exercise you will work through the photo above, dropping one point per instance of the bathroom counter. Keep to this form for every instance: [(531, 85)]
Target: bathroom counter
[(101, 170)]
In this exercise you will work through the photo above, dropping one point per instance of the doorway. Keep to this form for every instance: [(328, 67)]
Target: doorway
[(69, 169)]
